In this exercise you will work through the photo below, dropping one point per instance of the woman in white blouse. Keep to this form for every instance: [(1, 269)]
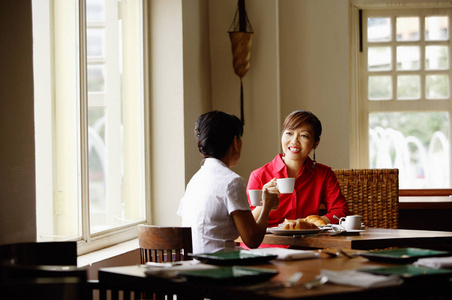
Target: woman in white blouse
[(215, 204)]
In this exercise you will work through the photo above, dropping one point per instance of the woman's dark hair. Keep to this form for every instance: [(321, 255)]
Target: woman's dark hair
[(302, 117), (215, 132)]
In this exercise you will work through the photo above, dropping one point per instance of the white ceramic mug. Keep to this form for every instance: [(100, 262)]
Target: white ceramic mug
[(285, 185), (255, 197), (351, 222)]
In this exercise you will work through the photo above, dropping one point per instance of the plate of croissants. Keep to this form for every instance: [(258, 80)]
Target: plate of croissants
[(310, 224)]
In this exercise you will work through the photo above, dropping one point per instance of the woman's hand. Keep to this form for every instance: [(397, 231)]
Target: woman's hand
[(252, 232), (270, 195)]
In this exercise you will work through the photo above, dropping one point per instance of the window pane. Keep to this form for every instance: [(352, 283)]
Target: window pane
[(95, 10), (96, 78), (379, 58), (437, 86), (58, 207), (380, 88), (116, 155), (95, 42), (408, 58), (437, 28), (97, 167), (407, 28), (415, 143), (408, 87), (436, 58), (378, 29)]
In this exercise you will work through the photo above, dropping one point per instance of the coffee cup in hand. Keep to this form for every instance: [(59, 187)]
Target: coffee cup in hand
[(255, 197), (285, 185), (351, 222)]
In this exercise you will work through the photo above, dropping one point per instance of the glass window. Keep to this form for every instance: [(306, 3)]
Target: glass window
[(407, 28), (408, 58), (379, 59), (96, 133), (437, 28), (380, 88), (379, 29), (419, 152), (407, 107), (408, 87)]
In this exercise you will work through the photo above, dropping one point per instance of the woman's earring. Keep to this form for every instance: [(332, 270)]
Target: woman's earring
[(314, 162)]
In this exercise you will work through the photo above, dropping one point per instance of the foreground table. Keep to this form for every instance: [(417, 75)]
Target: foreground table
[(133, 278), (371, 238)]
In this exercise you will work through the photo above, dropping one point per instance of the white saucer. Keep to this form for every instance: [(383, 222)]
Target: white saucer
[(340, 227)]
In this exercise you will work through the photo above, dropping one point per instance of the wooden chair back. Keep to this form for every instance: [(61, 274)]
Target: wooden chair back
[(373, 194), (42, 270), (40, 253), (164, 244)]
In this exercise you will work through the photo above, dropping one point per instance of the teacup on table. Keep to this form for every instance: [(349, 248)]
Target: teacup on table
[(285, 185), (255, 197), (351, 222)]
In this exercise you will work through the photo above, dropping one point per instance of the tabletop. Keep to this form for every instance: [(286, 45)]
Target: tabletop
[(135, 278), (371, 238)]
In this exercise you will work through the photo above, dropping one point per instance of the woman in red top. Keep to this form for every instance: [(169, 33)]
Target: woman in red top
[(314, 183)]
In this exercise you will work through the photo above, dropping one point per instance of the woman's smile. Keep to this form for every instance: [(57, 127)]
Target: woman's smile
[(298, 143), (294, 149)]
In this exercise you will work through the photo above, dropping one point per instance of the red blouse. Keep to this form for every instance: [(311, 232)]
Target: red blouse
[(313, 186)]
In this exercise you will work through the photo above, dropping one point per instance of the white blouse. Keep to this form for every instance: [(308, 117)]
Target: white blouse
[(212, 194)]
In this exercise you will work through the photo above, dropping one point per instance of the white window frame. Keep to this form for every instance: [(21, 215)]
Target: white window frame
[(47, 182), (359, 110)]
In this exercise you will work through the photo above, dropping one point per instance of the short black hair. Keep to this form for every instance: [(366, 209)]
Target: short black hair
[(215, 132)]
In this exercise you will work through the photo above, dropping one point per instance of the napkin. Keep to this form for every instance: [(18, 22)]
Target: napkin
[(172, 269), (361, 279), (286, 254), (434, 262)]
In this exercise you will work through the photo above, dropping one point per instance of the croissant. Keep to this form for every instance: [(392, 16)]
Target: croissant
[(297, 224), (303, 224), (316, 220)]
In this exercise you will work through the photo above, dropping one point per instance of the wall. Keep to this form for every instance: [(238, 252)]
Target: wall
[(17, 165), (314, 58), (260, 84), (180, 91), (299, 60)]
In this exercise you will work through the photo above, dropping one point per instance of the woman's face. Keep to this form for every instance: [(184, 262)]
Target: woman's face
[(298, 143), (237, 145)]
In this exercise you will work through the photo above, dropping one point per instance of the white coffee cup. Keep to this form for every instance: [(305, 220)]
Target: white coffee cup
[(285, 185), (351, 222), (255, 197)]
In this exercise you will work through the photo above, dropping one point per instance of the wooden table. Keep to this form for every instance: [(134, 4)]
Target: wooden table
[(134, 278), (371, 238)]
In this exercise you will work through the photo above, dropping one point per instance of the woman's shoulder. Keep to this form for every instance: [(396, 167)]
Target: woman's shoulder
[(325, 173), (322, 169)]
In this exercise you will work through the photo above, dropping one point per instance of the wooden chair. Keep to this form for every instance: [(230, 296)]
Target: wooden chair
[(164, 244), (35, 270), (373, 194), (60, 288), (157, 244), (40, 253)]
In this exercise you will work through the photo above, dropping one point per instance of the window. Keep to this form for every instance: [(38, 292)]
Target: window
[(90, 166), (403, 100)]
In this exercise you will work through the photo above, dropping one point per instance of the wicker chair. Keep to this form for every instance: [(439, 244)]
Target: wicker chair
[(373, 194)]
